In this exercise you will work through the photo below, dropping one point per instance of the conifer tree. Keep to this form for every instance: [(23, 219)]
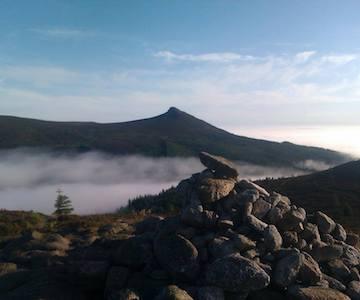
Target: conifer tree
[(63, 204)]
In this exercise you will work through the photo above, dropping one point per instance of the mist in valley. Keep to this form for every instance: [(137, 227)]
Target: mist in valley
[(98, 182)]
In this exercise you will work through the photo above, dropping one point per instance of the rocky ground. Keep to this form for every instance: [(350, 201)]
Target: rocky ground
[(232, 240)]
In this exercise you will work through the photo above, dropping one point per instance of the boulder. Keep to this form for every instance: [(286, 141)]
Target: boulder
[(219, 165), (272, 238), (310, 232), (210, 293), (277, 213), (248, 185), (353, 290), (325, 223), (211, 190), (292, 219), (287, 270), (261, 208), (193, 216), (351, 256), (6, 268), (325, 252), (334, 283), (339, 270), (315, 293), (339, 233), (116, 280), (173, 292), (290, 238), (243, 243), (220, 247), (148, 224), (352, 239), (124, 294), (177, 255), (235, 273), (310, 272), (133, 252), (256, 224)]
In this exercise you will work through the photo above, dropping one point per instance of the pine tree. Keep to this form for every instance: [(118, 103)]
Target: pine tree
[(63, 204)]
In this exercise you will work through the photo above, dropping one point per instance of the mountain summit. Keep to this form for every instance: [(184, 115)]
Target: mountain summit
[(174, 133)]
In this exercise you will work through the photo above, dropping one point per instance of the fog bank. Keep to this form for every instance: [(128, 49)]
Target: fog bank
[(98, 182)]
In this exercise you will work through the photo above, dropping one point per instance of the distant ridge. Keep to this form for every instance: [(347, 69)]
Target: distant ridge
[(174, 133), (335, 191)]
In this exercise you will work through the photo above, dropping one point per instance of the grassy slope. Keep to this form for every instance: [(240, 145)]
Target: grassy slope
[(335, 191), (174, 133)]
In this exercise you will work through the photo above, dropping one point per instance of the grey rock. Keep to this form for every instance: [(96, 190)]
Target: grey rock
[(327, 252), (353, 290), (243, 243), (193, 216), (210, 293), (272, 238), (134, 252), (338, 269), (287, 270), (256, 224), (352, 239), (339, 233), (310, 232), (250, 195), (324, 222), (173, 292), (116, 279), (354, 274), (6, 268), (261, 208), (246, 184), (277, 213), (310, 272), (334, 283), (235, 273), (220, 247), (290, 238), (351, 256), (292, 219), (177, 255), (315, 293), (221, 166), (211, 190)]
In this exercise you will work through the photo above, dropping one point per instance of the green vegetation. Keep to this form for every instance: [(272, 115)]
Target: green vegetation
[(174, 133), (166, 202), (63, 205), (13, 223)]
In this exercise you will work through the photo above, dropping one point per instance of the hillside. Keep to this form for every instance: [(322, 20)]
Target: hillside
[(335, 191), (174, 133)]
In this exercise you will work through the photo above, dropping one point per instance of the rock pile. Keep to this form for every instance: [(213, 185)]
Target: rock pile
[(232, 240)]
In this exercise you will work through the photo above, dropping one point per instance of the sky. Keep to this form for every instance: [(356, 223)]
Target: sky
[(281, 70)]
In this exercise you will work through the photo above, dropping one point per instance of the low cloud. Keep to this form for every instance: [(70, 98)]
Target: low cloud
[(98, 182), (63, 33), (222, 57)]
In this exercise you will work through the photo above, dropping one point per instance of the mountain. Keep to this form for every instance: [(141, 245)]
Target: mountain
[(335, 191), (174, 133)]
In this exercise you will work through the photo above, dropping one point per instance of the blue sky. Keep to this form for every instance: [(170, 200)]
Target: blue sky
[(237, 64)]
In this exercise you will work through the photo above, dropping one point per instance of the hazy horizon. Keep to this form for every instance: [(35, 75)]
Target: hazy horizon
[(97, 182)]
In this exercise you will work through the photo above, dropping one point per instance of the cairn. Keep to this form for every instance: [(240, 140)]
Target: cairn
[(234, 240)]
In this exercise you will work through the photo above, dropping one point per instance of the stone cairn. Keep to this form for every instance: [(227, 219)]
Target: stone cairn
[(234, 240)]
